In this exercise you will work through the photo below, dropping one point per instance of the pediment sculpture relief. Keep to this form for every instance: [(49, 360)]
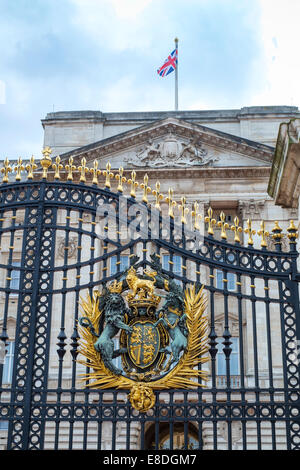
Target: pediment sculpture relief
[(171, 153)]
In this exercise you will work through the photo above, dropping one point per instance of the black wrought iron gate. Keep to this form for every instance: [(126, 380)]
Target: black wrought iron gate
[(52, 252)]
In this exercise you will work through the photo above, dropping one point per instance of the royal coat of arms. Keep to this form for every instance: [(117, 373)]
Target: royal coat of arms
[(162, 333)]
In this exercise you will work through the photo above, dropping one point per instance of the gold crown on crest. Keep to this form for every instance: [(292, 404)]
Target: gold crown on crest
[(116, 287), (141, 290)]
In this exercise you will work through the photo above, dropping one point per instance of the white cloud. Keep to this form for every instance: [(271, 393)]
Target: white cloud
[(279, 65), (118, 24)]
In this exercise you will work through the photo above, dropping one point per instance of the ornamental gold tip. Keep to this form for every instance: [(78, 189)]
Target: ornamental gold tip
[(146, 188), (83, 169), (250, 232), (46, 161), (169, 199), (121, 179), (18, 169), (95, 172), (57, 166), (5, 170), (108, 175), (30, 167), (263, 233), (276, 230), (196, 217), (223, 225), (133, 184), (292, 231), (70, 169), (158, 196), (210, 221), (184, 210), (236, 229)]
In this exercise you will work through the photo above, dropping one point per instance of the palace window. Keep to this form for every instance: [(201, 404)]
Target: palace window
[(15, 276), (233, 362), (177, 263), (231, 277), (8, 364), (123, 264)]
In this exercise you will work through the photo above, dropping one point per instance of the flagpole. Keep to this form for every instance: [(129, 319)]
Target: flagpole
[(176, 77)]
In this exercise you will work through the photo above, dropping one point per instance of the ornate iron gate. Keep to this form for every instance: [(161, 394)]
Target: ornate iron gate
[(52, 253)]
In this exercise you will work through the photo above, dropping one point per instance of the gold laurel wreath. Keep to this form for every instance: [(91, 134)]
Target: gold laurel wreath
[(184, 375)]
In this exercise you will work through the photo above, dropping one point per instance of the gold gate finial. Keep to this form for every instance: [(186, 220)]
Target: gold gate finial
[(146, 188), (171, 202), (277, 235), (57, 166), (223, 225), (250, 232), (263, 233), (158, 196), (292, 232), (95, 172), (5, 170), (236, 229), (121, 179), (30, 167), (210, 221), (18, 168), (108, 175), (70, 168), (184, 210), (134, 184), (83, 170), (196, 216), (46, 161)]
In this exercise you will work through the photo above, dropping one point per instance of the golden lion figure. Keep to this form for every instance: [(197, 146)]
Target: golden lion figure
[(140, 286)]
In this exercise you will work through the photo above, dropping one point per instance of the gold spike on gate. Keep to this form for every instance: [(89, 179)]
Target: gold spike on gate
[(83, 170), (196, 216), (46, 161), (223, 225), (169, 199), (57, 167), (236, 229), (250, 232), (184, 210), (158, 196), (95, 172), (134, 184), (18, 168), (146, 188), (121, 179), (108, 175), (30, 167), (263, 233), (210, 221), (5, 170), (70, 169)]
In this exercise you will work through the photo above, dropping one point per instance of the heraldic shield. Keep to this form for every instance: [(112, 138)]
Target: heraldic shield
[(162, 333)]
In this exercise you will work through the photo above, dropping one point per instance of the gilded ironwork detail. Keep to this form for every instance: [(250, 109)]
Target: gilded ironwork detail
[(160, 348)]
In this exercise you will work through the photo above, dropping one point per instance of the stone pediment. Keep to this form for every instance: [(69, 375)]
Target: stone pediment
[(174, 143)]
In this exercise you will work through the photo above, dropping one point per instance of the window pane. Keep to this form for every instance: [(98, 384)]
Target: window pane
[(8, 364), (234, 357), (124, 263), (176, 264), (15, 276)]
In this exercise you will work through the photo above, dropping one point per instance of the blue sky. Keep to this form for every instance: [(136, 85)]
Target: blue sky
[(103, 55)]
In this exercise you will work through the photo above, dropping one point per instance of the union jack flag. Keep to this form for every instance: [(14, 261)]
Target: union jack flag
[(169, 65)]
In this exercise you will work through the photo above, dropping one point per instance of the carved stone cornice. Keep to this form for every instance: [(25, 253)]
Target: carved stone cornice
[(178, 128)]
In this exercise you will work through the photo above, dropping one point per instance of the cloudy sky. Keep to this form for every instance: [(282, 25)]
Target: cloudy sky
[(103, 55)]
